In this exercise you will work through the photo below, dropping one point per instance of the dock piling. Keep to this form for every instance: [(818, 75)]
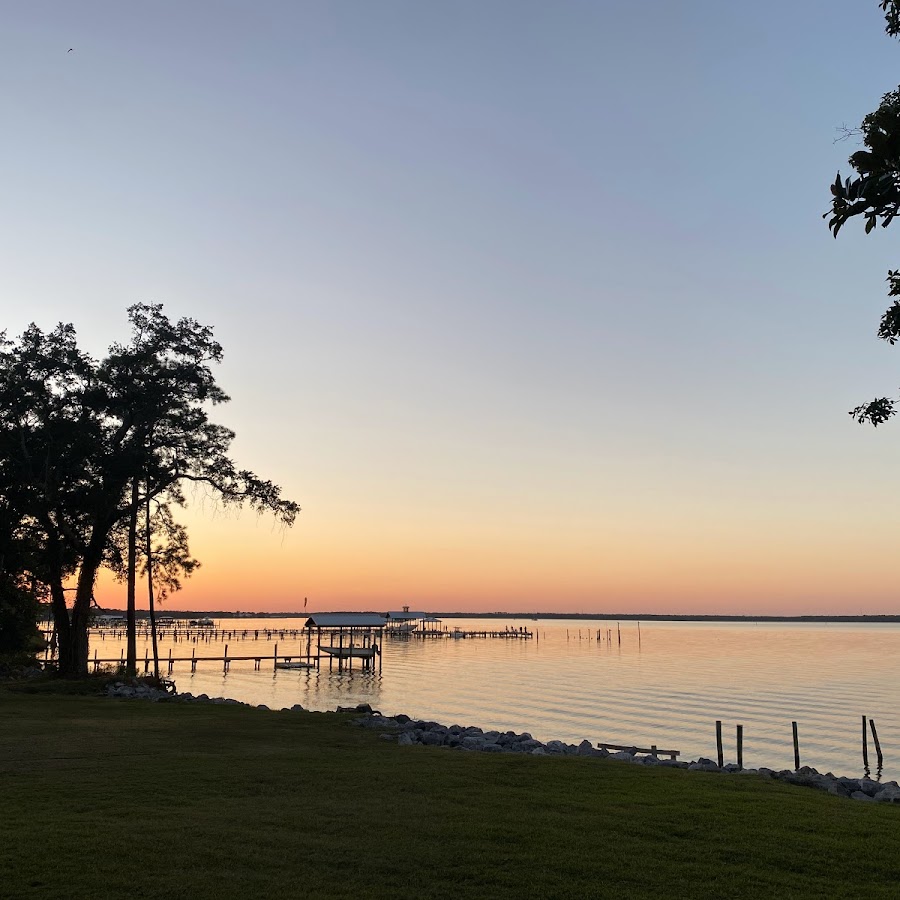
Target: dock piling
[(877, 744), (865, 745), (719, 754)]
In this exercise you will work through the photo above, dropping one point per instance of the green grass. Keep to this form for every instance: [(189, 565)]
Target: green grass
[(117, 799)]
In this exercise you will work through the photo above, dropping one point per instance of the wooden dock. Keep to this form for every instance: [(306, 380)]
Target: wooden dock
[(340, 656), (511, 634), (198, 635), (294, 660), (297, 661)]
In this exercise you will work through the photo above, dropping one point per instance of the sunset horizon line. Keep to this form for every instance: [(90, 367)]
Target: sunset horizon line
[(499, 614)]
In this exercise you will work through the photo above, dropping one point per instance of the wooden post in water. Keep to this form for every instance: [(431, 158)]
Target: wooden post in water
[(275, 660), (865, 745), (639, 635), (877, 743), (796, 746), (719, 754), (225, 659), (619, 631), (193, 660), (740, 746)]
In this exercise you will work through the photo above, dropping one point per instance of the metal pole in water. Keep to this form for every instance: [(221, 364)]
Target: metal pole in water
[(796, 746), (719, 754), (865, 745), (877, 743), (740, 746)]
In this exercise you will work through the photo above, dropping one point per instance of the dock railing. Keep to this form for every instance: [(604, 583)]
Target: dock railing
[(653, 750)]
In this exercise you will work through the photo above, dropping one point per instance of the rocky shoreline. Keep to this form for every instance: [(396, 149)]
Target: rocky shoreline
[(405, 731)]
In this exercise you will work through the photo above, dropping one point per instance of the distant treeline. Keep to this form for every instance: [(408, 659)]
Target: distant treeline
[(620, 617)]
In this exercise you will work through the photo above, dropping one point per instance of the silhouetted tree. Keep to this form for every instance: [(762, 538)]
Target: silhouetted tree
[(20, 592), (161, 383), (874, 194), (167, 563), (19, 606), (78, 436), (53, 454), (892, 17)]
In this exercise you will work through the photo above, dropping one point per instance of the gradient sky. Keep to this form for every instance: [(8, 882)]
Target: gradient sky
[(529, 305)]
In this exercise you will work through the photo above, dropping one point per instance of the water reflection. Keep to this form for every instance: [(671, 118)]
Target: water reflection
[(667, 685)]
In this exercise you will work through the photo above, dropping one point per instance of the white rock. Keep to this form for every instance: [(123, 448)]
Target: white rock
[(703, 767), (890, 794)]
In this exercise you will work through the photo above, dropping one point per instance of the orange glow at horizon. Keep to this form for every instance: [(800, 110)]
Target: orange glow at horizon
[(676, 566)]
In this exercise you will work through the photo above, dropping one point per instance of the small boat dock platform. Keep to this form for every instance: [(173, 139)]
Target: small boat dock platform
[(406, 625)]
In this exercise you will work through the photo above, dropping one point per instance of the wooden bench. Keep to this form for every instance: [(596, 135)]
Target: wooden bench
[(654, 750)]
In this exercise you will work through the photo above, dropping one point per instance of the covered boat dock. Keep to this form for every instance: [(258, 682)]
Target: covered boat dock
[(345, 637)]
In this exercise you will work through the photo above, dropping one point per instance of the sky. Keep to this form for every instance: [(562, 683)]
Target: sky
[(529, 305)]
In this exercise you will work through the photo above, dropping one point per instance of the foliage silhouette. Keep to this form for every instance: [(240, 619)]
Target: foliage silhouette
[(85, 444), (874, 194)]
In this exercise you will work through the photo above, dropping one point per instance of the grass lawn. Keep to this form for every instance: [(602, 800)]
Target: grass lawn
[(125, 799)]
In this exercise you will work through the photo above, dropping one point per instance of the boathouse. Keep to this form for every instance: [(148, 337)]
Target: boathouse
[(402, 623), (345, 637), (406, 623)]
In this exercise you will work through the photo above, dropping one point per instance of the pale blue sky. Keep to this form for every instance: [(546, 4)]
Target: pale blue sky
[(543, 267)]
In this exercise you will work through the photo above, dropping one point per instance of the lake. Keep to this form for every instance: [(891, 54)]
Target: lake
[(668, 688)]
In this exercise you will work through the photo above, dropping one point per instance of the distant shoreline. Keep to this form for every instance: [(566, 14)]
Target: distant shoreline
[(620, 617)]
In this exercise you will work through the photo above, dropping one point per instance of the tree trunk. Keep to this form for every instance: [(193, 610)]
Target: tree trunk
[(130, 618), (91, 560), (84, 591), (61, 624), (149, 536), (76, 660)]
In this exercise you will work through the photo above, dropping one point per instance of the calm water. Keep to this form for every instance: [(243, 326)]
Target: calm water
[(668, 690)]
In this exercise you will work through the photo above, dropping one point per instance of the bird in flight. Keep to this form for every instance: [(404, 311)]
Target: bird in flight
[(70, 50)]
